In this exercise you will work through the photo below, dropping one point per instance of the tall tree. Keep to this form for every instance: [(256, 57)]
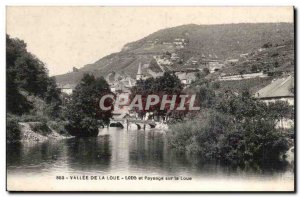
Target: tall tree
[(168, 84), (83, 112), (26, 73)]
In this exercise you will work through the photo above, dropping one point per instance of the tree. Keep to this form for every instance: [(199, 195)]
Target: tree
[(206, 71), (32, 76), (53, 98), (280, 110), (16, 102), (168, 84), (254, 68), (254, 123), (83, 112), (242, 72), (267, 45), (205, 90), (238, 130), (26, 75)]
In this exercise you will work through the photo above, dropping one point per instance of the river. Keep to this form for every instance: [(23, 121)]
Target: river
[(120, 152)]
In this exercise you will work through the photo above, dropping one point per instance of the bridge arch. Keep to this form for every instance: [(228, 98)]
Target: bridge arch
[(138, 126), (116, 124)]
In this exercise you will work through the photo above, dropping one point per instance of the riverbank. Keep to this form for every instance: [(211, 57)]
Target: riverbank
[(28, 132), (214, 135), (33, 128)]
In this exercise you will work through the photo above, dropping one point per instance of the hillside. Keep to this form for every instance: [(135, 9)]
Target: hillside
[(271, 58), (186, 46)]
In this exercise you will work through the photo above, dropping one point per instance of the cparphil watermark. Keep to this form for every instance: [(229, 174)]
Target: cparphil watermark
[(141, 102)]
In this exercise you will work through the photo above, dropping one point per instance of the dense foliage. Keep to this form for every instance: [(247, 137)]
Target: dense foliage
[(12, 129), (232, 127), (83, 112), (238, 129), (27, 75), (168, 84)]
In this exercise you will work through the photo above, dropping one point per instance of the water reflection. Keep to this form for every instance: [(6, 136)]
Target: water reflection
[(34, 156), (121, 151), (91, 154)]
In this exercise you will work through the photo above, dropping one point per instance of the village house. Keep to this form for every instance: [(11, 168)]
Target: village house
[(155, 74), (244, 55), (194, 62), (231, 61), (179, 43), (174, 57), (162, 60), (279, 90), (215, 66), (186, 76), (119, 83), (167, 43), (122, 85), (212, 64), (67, 89), (225, 77)]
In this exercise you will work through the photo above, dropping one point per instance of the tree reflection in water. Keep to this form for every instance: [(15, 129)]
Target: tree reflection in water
[(119, 151)]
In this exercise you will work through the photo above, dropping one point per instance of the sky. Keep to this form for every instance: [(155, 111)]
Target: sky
[(64, 37)]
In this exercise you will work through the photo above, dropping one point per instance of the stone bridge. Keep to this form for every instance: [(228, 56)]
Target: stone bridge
[(141, 124)]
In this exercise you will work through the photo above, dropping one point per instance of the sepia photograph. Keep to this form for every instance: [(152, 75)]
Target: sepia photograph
[(150, 99)]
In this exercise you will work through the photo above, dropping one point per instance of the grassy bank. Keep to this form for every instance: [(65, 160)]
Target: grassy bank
[(30, 127)]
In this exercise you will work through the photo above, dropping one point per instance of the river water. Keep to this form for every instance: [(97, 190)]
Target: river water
[(132, 153)]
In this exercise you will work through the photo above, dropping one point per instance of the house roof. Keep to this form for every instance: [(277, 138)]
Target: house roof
[(66, 86), (277, 88), (184, 76)]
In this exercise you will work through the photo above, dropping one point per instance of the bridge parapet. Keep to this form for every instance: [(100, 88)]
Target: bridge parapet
[(139, 123)]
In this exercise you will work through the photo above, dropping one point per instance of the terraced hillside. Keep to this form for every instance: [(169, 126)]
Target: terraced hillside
[(185, 46)]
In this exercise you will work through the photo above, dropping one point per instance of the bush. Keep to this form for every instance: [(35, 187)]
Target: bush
[(180, 134), (86, 127), (12, 129), (41, 128), (59, 127), (32, 118), (239, 130)]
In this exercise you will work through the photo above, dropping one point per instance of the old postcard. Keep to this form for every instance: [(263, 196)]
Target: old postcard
[(150, 99)]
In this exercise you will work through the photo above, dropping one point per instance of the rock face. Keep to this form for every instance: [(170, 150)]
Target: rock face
[(184, 47), (28, 134)]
